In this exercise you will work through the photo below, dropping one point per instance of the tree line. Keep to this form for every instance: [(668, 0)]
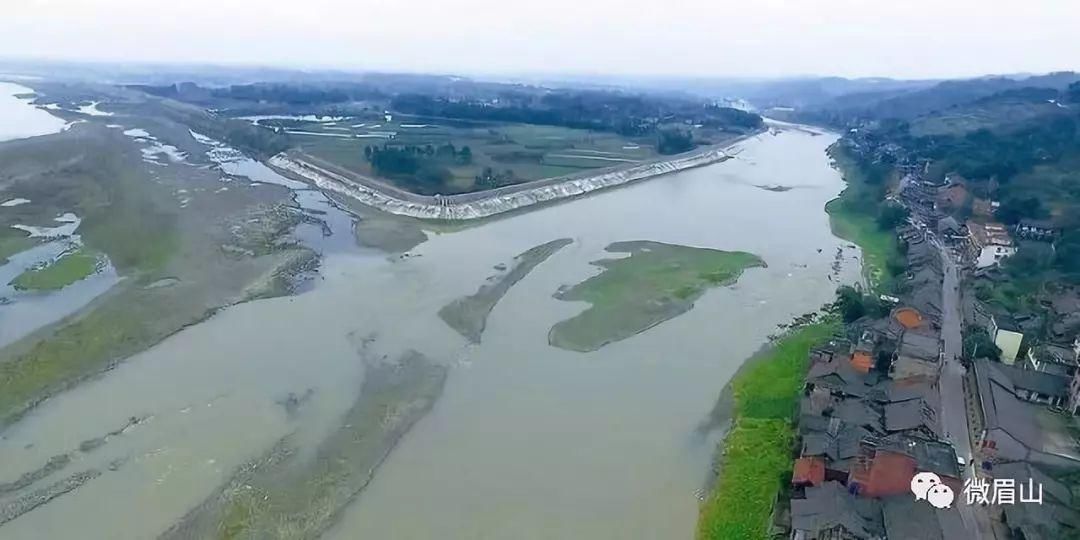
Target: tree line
[(628, 115), (425, 169)]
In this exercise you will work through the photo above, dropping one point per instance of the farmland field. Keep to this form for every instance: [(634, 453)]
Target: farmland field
[(528, 152)]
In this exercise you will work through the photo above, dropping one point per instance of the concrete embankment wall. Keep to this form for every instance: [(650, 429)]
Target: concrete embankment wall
[(488, 203)]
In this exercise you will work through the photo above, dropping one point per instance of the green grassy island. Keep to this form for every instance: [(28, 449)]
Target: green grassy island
[(69, 268), (655, 283)]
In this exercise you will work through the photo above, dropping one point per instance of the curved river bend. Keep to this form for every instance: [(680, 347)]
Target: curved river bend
[(527, 441)]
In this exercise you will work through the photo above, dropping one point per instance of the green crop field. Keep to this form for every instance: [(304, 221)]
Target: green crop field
[(528, 152)]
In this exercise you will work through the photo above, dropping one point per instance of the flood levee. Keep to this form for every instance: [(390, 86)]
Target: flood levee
[(488, 203)]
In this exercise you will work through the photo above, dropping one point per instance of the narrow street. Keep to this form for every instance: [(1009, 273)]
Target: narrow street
[(954, 419)]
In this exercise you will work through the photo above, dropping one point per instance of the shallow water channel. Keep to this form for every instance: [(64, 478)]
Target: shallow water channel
[(527, 440)]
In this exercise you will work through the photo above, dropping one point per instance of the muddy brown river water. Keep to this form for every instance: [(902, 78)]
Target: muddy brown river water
[(526, 441)]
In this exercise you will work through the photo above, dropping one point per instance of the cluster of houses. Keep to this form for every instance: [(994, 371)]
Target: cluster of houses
[(870, 415), (986, 242), (869, 421), (1021, 408)]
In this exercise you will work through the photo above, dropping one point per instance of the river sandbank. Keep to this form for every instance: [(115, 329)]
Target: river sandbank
[(654, 283), (468, 315), (296, 494)]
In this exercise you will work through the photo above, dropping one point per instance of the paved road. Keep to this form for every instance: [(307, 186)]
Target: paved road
[(954, 417)]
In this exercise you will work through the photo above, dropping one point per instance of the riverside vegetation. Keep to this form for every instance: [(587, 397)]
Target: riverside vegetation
[(756, 458), (860, 216)]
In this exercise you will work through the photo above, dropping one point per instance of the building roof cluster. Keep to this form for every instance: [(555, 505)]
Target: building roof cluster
[(863, 437), (1020, 429), (989, 234), (1046, 521)]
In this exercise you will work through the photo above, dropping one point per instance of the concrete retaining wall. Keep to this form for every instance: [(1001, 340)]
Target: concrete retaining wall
[(488, 203)]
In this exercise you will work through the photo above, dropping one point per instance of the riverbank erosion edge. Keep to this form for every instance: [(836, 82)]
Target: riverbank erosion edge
[(497, 201), (754, 460)]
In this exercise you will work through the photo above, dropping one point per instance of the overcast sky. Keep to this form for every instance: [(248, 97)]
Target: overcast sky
[(898, 38)]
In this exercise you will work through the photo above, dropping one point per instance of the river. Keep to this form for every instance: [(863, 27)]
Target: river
[(20, 119), (527, 441)]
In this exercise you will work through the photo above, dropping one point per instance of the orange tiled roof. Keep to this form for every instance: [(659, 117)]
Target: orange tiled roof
[(862, 361), (809, 471), (890, 474)]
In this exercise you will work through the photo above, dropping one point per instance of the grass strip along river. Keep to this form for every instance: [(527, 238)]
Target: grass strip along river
[(756, 459)]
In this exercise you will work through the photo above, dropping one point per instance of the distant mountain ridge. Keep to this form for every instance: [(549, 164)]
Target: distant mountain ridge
[(910, 104)]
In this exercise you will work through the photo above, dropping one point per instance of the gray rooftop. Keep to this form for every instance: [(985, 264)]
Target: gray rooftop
[(832, 438), (905, 518), (829, 506), (839, 376), (1025, 422), (930, 455), (913, 414), (1041, 521), (1050, 352), (919, 345), (895, 391), (859, 413), (1045, 383), (948, 224), (1021, 471)]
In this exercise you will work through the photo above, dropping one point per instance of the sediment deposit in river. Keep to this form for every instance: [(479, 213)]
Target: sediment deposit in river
[(527, 441)]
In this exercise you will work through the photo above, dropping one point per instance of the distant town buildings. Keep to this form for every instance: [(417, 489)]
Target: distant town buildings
[(1037, 230), (953, 197), (870, 416), (990, 243)]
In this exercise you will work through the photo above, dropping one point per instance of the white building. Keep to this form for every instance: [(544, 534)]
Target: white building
[(1007, 338)]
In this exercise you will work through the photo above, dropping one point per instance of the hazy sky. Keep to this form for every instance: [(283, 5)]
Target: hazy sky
[(900, 38)]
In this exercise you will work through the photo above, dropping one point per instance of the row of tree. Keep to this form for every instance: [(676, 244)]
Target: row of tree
[(446, 153), (674, 141), (625, 114), (411, 165)]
